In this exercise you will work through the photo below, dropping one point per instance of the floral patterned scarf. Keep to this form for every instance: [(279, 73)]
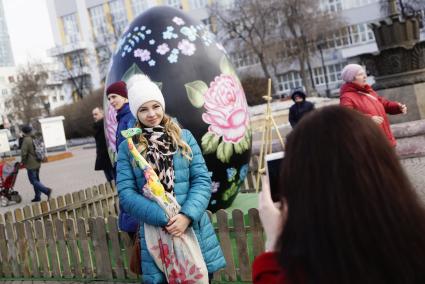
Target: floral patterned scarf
[(160, 155)]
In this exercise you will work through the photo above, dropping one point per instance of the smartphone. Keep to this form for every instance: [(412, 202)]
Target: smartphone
[(274, 163)]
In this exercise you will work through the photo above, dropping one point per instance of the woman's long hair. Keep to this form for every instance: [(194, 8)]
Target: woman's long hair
[(353, 214), (174, 132)]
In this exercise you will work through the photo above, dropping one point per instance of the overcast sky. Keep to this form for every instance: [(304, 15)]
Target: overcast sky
[(29, 29)]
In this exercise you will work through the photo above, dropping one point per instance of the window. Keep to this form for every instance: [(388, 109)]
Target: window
[(351, 35), (242, 59), (119, 16), (195, 4), (333, 73), (139, 6), (174, 3), (331, 5), (55, 99), (288, 82), (348, 4), (4, 92), (11, 79), (62, 98), (98, 21), (70, 28)]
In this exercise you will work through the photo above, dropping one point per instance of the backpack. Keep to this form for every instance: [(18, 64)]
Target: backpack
[(40, 151)]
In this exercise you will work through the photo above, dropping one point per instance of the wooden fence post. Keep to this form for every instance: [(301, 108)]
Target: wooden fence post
[(116, 249), (85, 248), (73, 247), (241, 244), (226, 245), (5, 264), (23, 253), (102, 259), (53, 249), (29, 233), (42, 248), (11, 244), (257, 231), (63, 255), (104, 201)]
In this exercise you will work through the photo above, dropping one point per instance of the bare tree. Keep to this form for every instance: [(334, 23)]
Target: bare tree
[(76, 72), (29, 99), (275, 30), (248, 25), (304, 25)]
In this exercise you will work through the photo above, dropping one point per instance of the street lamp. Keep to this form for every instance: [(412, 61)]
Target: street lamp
[(320, 47)]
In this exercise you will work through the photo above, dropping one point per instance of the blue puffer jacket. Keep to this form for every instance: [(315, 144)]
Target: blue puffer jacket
[(192, 186), (125, 120)]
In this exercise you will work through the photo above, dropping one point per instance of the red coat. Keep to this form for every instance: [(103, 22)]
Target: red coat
[(366, 100), (267, 270)]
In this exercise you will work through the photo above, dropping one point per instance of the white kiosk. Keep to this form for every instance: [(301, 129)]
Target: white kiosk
[(53, 131), (4, 141)]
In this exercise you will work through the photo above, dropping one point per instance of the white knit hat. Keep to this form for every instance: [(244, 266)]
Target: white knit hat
[(141, 90)]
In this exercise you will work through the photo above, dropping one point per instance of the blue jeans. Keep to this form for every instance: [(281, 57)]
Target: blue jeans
[(34, 177)]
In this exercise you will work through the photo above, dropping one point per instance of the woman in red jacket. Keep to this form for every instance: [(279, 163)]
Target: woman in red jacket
[(349, 214), (358, 95)]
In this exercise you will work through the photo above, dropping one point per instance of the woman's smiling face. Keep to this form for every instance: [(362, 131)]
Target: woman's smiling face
[(150, 113)]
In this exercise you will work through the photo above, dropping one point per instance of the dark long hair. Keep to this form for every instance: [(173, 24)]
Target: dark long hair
[(353, 214)]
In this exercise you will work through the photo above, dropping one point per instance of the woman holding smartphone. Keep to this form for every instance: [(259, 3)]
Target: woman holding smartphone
[(348, 213)]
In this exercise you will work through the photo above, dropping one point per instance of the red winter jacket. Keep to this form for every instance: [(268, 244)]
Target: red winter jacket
[(366, 100), (267, 270)]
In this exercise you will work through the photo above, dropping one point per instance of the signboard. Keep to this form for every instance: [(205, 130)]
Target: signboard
[(53, 131), (4, 141)]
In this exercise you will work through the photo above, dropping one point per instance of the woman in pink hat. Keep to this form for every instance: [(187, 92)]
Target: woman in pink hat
[(358, 95)]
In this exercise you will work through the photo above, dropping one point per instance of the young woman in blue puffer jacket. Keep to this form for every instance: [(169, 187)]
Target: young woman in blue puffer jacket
[(177, 159)]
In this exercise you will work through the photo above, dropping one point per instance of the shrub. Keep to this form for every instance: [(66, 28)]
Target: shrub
[(255, 88), (78, 116)]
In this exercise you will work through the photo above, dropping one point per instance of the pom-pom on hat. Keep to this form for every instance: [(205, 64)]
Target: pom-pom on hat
[(119, 88), (141, 90), (350, 71)]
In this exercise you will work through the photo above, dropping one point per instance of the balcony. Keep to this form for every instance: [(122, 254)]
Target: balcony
[(68, 48)]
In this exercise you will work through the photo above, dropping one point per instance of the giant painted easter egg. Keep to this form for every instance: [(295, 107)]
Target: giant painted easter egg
[(201, 90)]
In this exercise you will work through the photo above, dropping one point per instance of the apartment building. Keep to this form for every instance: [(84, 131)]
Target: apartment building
[(85, 33)]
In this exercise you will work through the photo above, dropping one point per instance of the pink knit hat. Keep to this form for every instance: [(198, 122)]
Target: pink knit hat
[(350, 71)]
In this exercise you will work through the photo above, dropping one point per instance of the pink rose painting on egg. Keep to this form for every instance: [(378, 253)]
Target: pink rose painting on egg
[(226, 112)]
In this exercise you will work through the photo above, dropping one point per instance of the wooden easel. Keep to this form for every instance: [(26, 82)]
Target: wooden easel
[(266, 140)]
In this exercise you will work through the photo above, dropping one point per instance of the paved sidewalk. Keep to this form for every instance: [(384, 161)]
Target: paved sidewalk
[(415, 168), (64, 176)]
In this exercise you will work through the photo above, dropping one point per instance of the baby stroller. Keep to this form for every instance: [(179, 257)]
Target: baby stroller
[(8, 174)]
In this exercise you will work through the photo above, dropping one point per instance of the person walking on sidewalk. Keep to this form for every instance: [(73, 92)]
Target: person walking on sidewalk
[(29, 159), (103, 163)]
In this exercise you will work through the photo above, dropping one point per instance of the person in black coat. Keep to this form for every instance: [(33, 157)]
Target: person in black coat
[(299, 108), (102, 157)]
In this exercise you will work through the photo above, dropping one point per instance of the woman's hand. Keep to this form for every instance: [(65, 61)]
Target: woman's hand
[(377, 119), (273, 215), (177, 225), (403, 108)]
